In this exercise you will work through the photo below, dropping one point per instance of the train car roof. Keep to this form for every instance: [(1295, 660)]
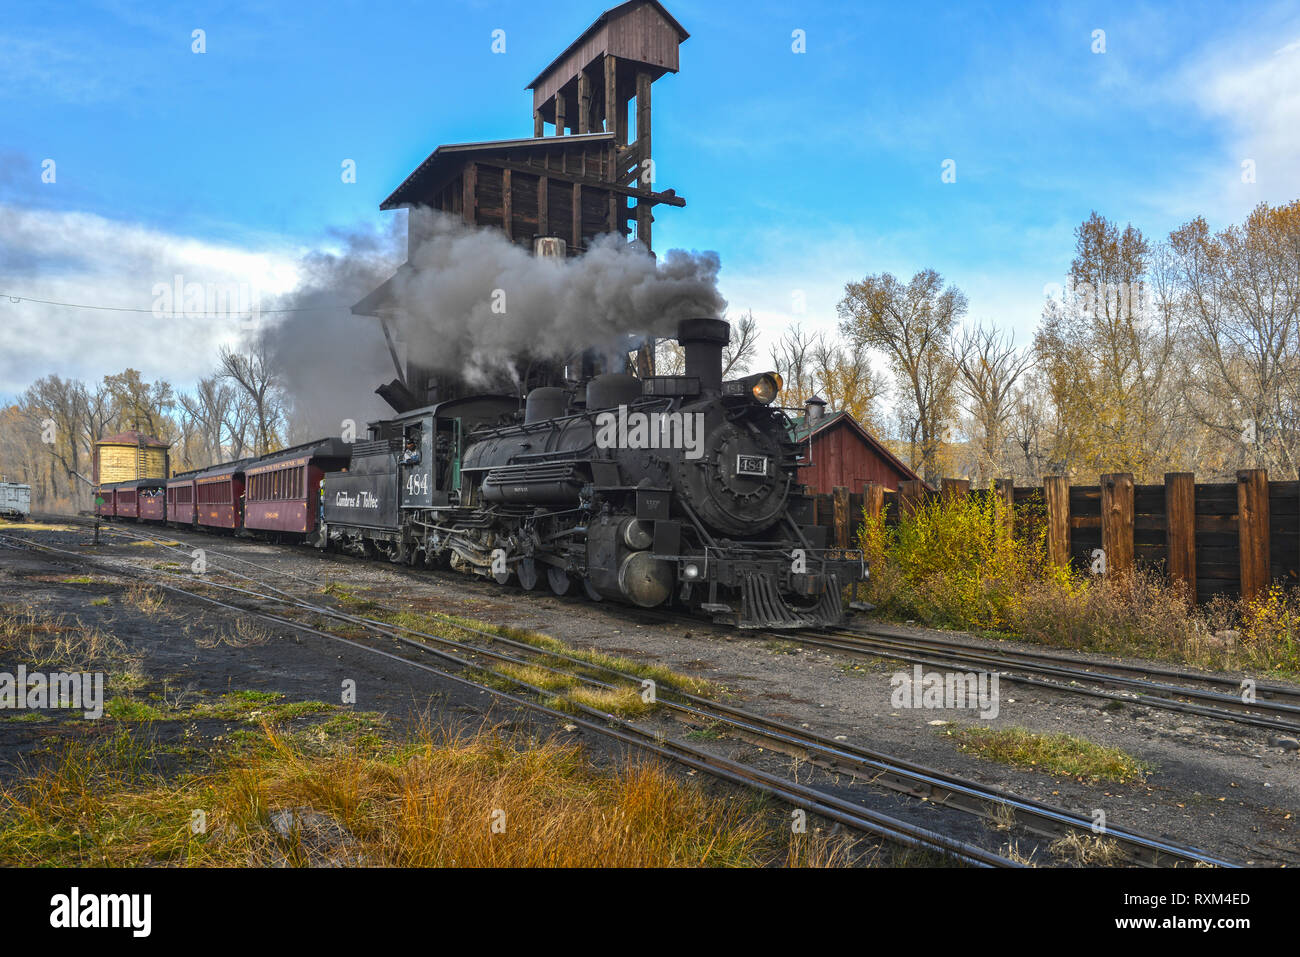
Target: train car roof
[(333, 447), (217, 471), (208, 470)]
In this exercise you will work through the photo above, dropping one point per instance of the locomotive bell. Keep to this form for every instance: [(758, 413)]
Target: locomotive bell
[(703, 340)]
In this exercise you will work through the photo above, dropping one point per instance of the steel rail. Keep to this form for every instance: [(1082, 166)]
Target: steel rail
[(1153, 694), (1120, 668)]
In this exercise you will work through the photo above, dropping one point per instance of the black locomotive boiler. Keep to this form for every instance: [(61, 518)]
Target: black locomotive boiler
[(665, 490)]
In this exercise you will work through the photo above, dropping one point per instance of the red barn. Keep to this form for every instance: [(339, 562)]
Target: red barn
[(839, 451)]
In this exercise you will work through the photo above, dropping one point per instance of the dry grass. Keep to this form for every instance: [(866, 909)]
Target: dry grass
[(6, 525), (658, 673), (1002, 817), (569, 689), (1052, 753), (1011, 850), (245, 633), (39, 639), (146, 599), (1087, 850), (482, 801)]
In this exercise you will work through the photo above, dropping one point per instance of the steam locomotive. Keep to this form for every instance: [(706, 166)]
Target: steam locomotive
[(668, 489)]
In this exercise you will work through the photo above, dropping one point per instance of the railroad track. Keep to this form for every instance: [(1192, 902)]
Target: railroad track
[(1275, 707), (929, 784)]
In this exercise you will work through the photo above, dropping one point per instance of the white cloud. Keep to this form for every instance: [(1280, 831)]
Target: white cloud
[(1260, 98), (1251, 88), (74, 257)]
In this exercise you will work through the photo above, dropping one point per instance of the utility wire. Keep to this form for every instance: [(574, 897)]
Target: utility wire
[(82, 305)]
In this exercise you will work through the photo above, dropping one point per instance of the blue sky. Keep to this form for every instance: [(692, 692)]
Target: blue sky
[(802, 170)]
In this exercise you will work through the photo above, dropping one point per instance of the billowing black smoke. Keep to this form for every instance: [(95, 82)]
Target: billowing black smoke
[(472, 300), (328, 360), (470, 303)]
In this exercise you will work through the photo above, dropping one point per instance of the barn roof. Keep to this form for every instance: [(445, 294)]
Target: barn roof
[(134, 438), (451, 156), (832, 420)]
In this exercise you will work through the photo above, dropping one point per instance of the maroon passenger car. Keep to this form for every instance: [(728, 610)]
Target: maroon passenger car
[(124, 500), (219, 496), (180, 499), (150, 500), (283, 492)]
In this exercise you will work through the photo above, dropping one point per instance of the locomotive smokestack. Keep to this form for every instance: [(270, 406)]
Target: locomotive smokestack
[(703, 340)]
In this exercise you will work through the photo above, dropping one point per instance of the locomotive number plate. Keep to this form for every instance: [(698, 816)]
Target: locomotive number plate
[(751, 465)]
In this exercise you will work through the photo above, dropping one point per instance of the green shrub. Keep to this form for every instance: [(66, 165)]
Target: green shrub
[(952, 562)]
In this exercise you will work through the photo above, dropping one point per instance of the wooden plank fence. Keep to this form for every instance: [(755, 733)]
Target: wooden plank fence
[(1228, 539)]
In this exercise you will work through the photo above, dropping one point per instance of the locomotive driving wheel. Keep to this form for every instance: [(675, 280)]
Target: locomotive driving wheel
[(558, 579), (527, 572)]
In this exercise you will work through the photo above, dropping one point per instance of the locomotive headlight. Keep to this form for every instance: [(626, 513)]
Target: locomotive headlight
[(766, 387), (691, 571)]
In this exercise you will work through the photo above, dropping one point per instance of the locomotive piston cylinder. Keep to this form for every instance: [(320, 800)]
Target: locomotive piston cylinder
[(636, 534), (645, 580)]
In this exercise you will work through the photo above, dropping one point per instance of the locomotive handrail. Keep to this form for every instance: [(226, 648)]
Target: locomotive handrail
[(554, 423), (537, 457)]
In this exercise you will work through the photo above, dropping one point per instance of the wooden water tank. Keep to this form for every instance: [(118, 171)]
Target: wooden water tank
[(128, 456)]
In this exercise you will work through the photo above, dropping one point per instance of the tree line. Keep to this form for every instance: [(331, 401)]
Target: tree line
[(1181, 355), (47, 437)]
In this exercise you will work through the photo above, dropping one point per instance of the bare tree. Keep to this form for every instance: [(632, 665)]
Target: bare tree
[(670, 358), (737, 354), (252, 374), (1027, 431), (743, 347), (54, 410), (1240, 293), (793, 360), (912, 324), (988, 367), (209, 410), (846, 381)]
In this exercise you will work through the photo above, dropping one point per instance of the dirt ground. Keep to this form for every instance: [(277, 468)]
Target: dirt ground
[(1227, 788)]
